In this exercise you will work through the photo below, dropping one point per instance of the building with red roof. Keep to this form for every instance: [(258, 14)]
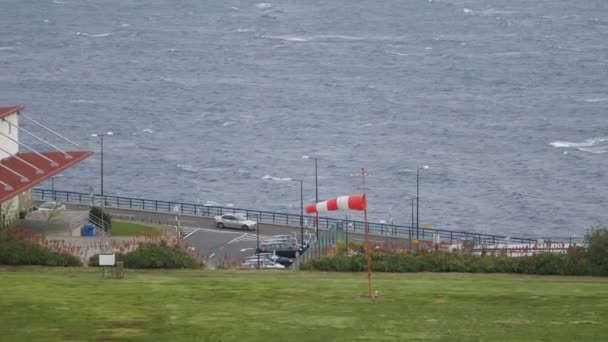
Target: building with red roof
[(23, 167)]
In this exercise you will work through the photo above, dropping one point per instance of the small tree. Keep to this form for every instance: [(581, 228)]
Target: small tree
[(95, 216), (597, 246)]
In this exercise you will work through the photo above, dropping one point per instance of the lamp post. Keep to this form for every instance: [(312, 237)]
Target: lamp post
[(301, 212), (101, 135), (53, 185), (316, 193), (418, 197)]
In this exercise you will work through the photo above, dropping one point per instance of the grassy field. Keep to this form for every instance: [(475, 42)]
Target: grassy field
[(53, 304), (124, 228)]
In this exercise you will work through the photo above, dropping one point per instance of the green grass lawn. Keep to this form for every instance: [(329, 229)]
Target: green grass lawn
[(125, 228), (54, 304)]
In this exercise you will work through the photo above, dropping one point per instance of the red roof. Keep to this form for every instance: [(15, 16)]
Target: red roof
[(6, 111), (32, 176)]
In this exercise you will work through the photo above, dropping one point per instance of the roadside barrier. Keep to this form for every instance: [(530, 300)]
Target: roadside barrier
[(326, 223)]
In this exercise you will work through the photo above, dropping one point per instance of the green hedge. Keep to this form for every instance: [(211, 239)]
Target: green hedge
[(544, 263), (18, 250), (153, 255)]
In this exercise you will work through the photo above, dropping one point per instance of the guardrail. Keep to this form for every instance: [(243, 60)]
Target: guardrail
[(354, 226)]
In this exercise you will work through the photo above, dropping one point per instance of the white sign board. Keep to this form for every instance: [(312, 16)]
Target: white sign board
[(107, 259)]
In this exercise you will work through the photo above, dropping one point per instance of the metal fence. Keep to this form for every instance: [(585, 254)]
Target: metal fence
[(326, 245), (354, 226)]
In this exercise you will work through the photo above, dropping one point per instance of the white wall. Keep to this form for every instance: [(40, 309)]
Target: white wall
[(9, 209), (10, 130)]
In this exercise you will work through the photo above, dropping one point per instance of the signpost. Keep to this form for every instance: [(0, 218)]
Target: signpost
[(109, 267)]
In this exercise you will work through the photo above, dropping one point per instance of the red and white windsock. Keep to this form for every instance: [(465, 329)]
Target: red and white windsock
[(352, 202)]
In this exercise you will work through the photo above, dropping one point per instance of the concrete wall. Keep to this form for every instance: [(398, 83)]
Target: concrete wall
[(10, 130)]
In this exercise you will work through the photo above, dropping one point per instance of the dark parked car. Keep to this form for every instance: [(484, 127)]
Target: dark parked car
[(287, 250)]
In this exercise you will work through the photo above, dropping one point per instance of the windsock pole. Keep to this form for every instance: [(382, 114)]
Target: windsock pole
[(367, 245)]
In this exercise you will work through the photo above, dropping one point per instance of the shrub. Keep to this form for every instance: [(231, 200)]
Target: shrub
[(153, 255), (544, 263), (597, 246), (17, 249)]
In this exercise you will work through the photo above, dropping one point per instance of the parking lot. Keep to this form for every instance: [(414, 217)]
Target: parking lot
[(222, 247)]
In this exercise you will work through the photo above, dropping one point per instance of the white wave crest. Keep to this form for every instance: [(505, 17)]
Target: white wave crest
[(596, 99), (593, 145), (228, 123), (100, 35), (490, 11), (269, 177), (334, 37), (397, 53), (186, 167), (290, 38), (147, 130), (263, 5), (82, 101)]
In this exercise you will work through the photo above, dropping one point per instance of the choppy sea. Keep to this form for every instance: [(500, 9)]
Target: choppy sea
[(216, 102)]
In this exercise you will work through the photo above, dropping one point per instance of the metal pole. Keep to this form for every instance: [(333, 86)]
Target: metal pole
[(257, 233), (103, 200), (301, 215), (412, 227), (53, 188), (417, 193), (346, 223), (316, 198), (101, 136), (367, 245)]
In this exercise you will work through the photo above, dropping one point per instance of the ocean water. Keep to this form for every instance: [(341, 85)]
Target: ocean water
[(217, 101)]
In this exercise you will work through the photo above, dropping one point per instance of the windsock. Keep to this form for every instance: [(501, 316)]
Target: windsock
[(352, 202)]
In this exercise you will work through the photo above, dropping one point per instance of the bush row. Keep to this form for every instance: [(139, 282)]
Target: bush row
[(153, 255), (16, 250), (544, 263)]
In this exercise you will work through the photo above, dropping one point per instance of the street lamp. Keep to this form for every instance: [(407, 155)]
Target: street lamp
[(101, 135), (301, 211), (103, 200), (316, 194), (417, 197), (53, 185)]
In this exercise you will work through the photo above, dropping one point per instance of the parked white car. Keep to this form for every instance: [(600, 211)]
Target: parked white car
[(235, 221), (50, 206)]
